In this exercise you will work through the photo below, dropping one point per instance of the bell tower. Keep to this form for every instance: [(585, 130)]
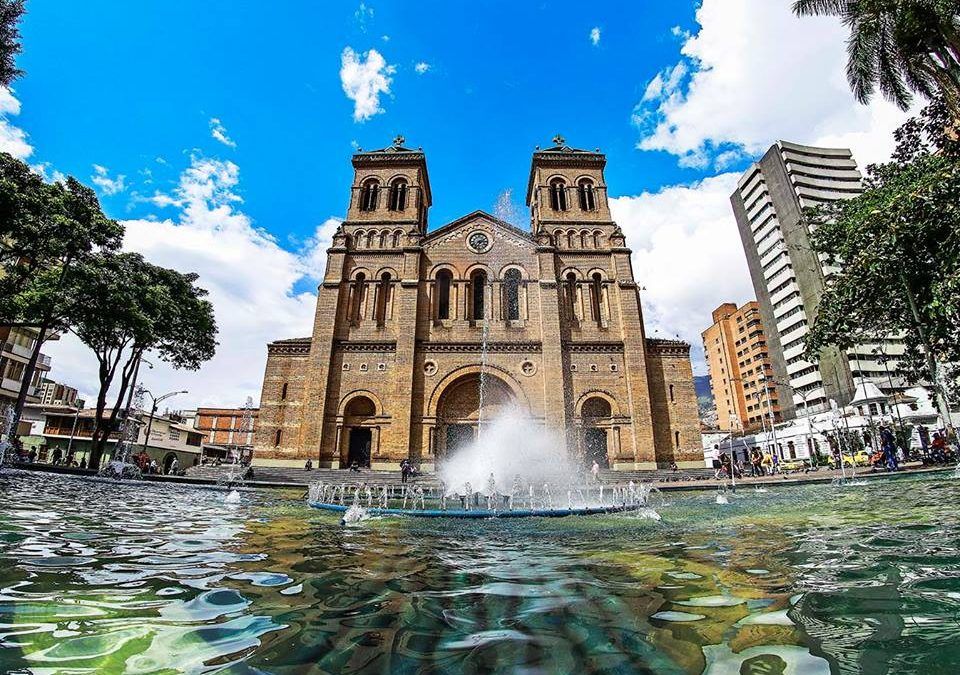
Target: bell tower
[(567, 196), (390, 188)]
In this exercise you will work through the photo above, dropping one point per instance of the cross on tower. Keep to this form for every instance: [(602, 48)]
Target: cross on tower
[(558, 139), (399, 141)]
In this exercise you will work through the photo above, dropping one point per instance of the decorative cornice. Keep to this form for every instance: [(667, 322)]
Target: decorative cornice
[(292, 347), (663, 347), (594, 347), (365, 346), (478, 347)]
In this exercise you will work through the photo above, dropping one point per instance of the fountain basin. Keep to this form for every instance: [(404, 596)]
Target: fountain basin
[(485, 513)]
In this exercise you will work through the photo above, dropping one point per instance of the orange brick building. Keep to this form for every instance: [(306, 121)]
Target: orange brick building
[(411, 322), (224, 428), (741, 375)]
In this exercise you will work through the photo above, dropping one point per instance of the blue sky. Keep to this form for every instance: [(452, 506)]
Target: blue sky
[(144, 79), (221, 133)]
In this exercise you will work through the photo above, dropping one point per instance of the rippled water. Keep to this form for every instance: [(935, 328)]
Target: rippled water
[(110, 578)]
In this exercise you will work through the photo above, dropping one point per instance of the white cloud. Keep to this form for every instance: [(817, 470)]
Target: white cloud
[(595, 35), (687, 254), (251, 279), (421, 67), (12, 138), (364, 77), (219, 132), (753, 73), (108, 186)]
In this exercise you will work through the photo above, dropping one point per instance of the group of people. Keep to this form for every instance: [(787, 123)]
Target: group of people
[(761, 463), (56, 456)]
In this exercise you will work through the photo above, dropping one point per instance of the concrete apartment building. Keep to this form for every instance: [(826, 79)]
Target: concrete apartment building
[(789, 277), (55, 393), (16, 347), (740, 370)]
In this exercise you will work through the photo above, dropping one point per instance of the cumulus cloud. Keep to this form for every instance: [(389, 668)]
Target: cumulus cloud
[(739, 85), (108, 186), (364, 78), (421, 67), (251, 279), (686, 254), (12, 138), (219, 132), (595, 35)]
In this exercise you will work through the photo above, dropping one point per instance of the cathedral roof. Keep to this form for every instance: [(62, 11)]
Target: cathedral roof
[(562, 154), (440, 231)]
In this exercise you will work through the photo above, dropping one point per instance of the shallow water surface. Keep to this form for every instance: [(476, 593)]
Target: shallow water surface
[(119, 578)]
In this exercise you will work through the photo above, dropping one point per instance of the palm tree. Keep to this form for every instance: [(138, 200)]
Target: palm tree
[(901, 46)]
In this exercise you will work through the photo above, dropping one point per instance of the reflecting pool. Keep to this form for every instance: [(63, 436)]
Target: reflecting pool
[(110, 578)]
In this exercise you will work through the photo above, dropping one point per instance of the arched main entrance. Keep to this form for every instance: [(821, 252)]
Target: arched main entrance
[(359, 436), (463, 407)]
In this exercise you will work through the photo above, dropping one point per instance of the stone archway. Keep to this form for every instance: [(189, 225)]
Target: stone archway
[(595, 431), (360, 441), (463, 407)]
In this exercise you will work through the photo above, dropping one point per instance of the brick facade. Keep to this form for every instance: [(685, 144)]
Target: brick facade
[(409, 323)]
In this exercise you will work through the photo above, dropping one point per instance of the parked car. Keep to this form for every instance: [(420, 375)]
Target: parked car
[(794, 465)]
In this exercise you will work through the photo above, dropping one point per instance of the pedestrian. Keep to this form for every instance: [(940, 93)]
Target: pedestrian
[(924, 434), (595, 470), (766, 463), (57, 455), (32, 456), (405, 470), (776, 463), (174, 467), (889, 446), (83, 463), (308, 465)]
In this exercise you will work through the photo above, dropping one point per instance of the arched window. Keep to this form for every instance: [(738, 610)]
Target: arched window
[(383, 239), (571, 239), (444, 281), (511, 294), (585, 239), (397, 236), (369, 195), (398, 195), (571, 296), (588, 200), (383, 298), (596, 297), (359, 288), (671, 393), (283, 392), (595, 407), (371, 239), (676, 438), (559, 238), (558, 195), (597, 238), (277, 437), (358, 239), (478, 286)]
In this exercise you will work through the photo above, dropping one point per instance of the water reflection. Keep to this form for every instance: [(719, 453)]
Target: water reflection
[(112, 578)]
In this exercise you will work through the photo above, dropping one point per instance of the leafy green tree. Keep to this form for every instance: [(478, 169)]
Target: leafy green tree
[(44, 230), (122, 307), (896, 248), (10, 13), (900, 46)]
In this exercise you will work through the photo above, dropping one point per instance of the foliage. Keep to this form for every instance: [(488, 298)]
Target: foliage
[(900, 46), (10, 13), (121, 307), (896, 248)]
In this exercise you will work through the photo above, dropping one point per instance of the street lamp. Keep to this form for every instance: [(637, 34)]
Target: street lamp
[(153, 411)]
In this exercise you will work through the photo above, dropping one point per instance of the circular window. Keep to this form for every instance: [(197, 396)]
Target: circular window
[(479, 242), (528, 368), (430, 367)]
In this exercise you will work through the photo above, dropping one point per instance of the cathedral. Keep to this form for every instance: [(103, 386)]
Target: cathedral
[(411, 321)]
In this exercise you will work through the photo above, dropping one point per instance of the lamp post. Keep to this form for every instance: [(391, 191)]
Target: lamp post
[(153, 411)]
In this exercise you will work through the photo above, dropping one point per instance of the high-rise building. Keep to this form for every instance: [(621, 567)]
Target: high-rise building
[(16, 347), (54, 393), (740, 371), (789, 277)]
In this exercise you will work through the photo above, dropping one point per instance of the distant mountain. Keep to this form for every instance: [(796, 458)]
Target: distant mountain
[(702, 385)]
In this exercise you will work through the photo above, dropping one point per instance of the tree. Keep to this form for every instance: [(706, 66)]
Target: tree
[(896, 248), (121, 307), (900, 46), (44, 229), (10, 13)]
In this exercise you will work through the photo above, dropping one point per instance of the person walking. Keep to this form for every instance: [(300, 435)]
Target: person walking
[(889, 446)]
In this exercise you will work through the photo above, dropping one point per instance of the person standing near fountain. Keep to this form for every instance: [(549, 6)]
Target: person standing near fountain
[(889, 445), (595, 470)]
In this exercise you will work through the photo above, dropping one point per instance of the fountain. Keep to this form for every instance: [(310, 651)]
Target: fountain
[(6, 432), (521, 468), (119, 467)]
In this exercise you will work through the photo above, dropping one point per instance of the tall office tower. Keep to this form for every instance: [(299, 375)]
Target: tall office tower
[(740, 370), (789, 277)]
